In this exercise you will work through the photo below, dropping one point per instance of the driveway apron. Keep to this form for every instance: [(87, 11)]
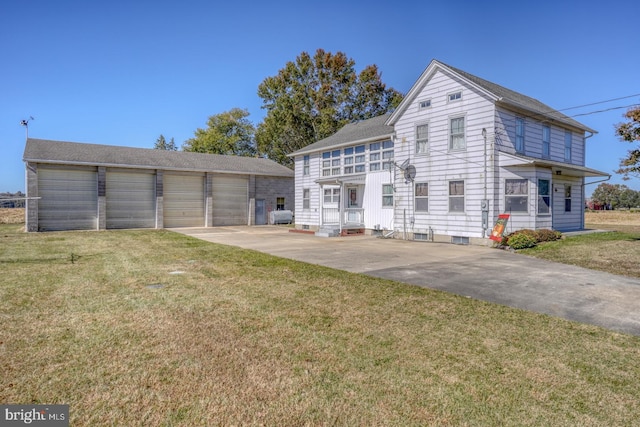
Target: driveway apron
[(483, 273)]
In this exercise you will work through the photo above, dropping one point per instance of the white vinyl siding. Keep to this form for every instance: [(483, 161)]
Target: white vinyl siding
[(131, 200), (68, 199), (183, 200), (230, 200)]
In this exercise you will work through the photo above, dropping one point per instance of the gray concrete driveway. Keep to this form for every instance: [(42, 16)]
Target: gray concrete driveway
[(560, 290)]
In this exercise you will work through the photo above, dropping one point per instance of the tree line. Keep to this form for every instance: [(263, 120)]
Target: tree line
[(309, 99), (614, 196)]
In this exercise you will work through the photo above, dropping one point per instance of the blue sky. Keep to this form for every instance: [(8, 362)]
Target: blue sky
[(123, 72)]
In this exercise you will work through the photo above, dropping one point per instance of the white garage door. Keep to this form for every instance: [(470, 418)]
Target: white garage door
[(131, 200), (230, 200), (183, 200), (69, 199)]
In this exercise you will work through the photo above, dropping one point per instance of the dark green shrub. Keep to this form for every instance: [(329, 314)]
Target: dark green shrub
[(521, 241)]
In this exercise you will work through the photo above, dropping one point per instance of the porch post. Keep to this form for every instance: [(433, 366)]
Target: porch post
[(340, 206)]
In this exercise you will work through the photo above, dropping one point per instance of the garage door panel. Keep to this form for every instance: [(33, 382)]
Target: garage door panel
[(130, 200), (230, 200), (68, 199), (184, 198)]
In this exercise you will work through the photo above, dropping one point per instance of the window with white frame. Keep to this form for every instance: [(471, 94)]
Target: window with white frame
[(422, 138), (567, 198), (456, 196), (332, 195), (455, 96), (359, 159), (546, 141), (326, 163), (348, 160), (456, 134), (387, 154), (305, 165), (305, 198), (422, 197), (544, 196), (335, 162), (516, 195), (519, 134), (567, 146), (424, 104), (387, 195)]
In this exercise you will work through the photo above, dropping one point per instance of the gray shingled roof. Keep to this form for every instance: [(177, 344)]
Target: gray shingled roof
[(518, 100), (364, 130), (74, 153)]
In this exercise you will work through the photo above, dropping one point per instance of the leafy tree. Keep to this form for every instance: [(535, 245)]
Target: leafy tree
[(162, 144), (228, 133), (630, 132), (311, 98), (629, 198)]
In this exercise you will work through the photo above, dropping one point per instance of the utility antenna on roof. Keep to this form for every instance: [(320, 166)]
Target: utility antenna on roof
[(25, 123)]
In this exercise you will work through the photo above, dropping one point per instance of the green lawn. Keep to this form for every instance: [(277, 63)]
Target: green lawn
[(156, 328)]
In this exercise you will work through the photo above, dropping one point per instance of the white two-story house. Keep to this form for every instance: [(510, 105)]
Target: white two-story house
[(457, 152)]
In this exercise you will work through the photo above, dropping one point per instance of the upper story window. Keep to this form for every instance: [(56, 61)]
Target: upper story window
[(387, 154), (456, 134), (567, 146), (422, 139), (519, 134), (422, 105), (455, 96), (546, 142), (305, 166), (348, 160), (359, 159), (326, 163)]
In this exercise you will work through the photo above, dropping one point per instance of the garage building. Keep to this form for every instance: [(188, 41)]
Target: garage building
[(77, 186)]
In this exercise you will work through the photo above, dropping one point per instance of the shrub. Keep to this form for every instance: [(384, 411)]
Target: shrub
[(545, 235), (521, 241)]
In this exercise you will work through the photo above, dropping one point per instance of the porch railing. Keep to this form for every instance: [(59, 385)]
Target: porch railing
[(350, 217)]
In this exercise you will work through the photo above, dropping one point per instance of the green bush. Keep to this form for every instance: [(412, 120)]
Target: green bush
[(545, 235), (521, 241)]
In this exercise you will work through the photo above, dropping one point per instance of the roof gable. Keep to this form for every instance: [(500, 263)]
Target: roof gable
[(361, 131), (75, 153), (498, 94)]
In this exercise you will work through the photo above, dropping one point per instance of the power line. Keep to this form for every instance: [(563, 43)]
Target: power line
[(600, 102)]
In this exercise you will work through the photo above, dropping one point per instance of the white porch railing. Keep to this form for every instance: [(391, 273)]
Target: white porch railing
[(350, 217), (353, 216)]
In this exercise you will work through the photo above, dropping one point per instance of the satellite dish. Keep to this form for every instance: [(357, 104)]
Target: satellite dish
[(404, 164), (409, 173)]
